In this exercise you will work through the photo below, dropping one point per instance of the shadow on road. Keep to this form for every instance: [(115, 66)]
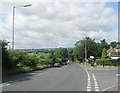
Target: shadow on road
[(22, 76)]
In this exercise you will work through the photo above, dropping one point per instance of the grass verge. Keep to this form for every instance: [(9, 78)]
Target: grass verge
[(24, 70)]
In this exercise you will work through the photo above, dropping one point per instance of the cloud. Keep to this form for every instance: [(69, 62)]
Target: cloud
[(58, 24)]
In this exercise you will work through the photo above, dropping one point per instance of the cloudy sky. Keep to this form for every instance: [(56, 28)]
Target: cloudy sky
[(58, 23)]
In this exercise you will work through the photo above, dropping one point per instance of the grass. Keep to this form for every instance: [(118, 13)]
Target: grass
[(24, 70)]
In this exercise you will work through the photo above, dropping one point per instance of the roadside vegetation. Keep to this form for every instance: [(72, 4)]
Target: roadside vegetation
[(96, 49), (14, 62)]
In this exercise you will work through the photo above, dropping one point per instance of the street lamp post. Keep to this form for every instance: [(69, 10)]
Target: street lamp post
[(13, 28)]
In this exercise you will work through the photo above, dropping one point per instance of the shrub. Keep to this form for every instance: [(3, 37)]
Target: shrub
[(44, 59), (108, 62), (30, 61), (8, 61)]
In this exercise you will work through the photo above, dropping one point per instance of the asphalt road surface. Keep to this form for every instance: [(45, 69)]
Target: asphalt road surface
[(66, 78)]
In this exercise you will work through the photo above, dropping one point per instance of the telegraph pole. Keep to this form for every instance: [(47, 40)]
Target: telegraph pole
[(85, 52)]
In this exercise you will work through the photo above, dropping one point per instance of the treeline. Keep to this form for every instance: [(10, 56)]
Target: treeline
[(17, 61), (96, 49), (93, 48)]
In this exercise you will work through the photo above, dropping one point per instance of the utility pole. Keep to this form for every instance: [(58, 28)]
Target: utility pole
[(85, 52)]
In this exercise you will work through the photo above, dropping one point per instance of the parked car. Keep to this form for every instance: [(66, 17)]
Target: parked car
[(57, 65), (64, 62)]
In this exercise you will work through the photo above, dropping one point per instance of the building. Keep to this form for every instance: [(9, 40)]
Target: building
[(114, 53)]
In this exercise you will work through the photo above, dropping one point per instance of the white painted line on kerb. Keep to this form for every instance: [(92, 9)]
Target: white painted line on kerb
[(95, 83)]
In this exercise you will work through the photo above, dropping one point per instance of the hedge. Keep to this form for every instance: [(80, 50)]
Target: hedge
[(108, 62)]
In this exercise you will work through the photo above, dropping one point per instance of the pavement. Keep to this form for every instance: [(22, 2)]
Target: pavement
[(74, 77), (89, 67)]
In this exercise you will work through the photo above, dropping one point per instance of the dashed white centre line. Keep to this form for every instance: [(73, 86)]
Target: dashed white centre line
[(95, 83)]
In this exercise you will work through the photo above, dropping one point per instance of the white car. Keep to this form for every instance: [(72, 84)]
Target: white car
[(57, 65)]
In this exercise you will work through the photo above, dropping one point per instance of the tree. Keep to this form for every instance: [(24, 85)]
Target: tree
[(91, 47), (30, 61), (7, 61), (99, 50), (104, 44), (113, 44), (53, 57), (62, 53), (71, 54), (104, 55), (100, 46)]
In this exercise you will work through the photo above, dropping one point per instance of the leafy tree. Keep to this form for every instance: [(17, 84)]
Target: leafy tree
[(113, 44), (53, 57), (104, 55), (45, 59), (71, 54), (7, 61), (100, 46), (30, 61), (62, 53), (99, 50), (17, 57), (104, 44), (91, 47)]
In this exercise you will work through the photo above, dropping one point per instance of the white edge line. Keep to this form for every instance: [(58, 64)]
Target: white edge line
[(89, 83)]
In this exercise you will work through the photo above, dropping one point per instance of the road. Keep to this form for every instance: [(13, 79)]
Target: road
[(66, 78)]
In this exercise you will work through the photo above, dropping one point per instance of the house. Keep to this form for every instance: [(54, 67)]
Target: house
[(114, 53)]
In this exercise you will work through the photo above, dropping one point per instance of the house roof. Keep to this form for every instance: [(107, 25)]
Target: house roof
[(114, 52), (117, 47), (110, 50)]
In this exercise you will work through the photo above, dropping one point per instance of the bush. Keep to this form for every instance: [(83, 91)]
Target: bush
[(17, 57), (108, 62), (44, 59), (30, 61), (8, 60)]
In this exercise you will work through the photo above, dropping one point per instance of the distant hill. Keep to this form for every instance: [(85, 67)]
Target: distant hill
[(44, 50)]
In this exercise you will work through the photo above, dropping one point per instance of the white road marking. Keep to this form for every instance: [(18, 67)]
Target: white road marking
[(95, 83), (88, 82), (110, 87), (4, 84), (117, 75)]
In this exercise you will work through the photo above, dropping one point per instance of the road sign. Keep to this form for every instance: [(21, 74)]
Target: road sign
[(92, 57)]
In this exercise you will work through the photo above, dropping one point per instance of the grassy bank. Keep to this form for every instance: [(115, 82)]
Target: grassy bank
[(24, 70)]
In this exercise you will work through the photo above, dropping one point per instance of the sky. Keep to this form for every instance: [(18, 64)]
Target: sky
[(57, 23)]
